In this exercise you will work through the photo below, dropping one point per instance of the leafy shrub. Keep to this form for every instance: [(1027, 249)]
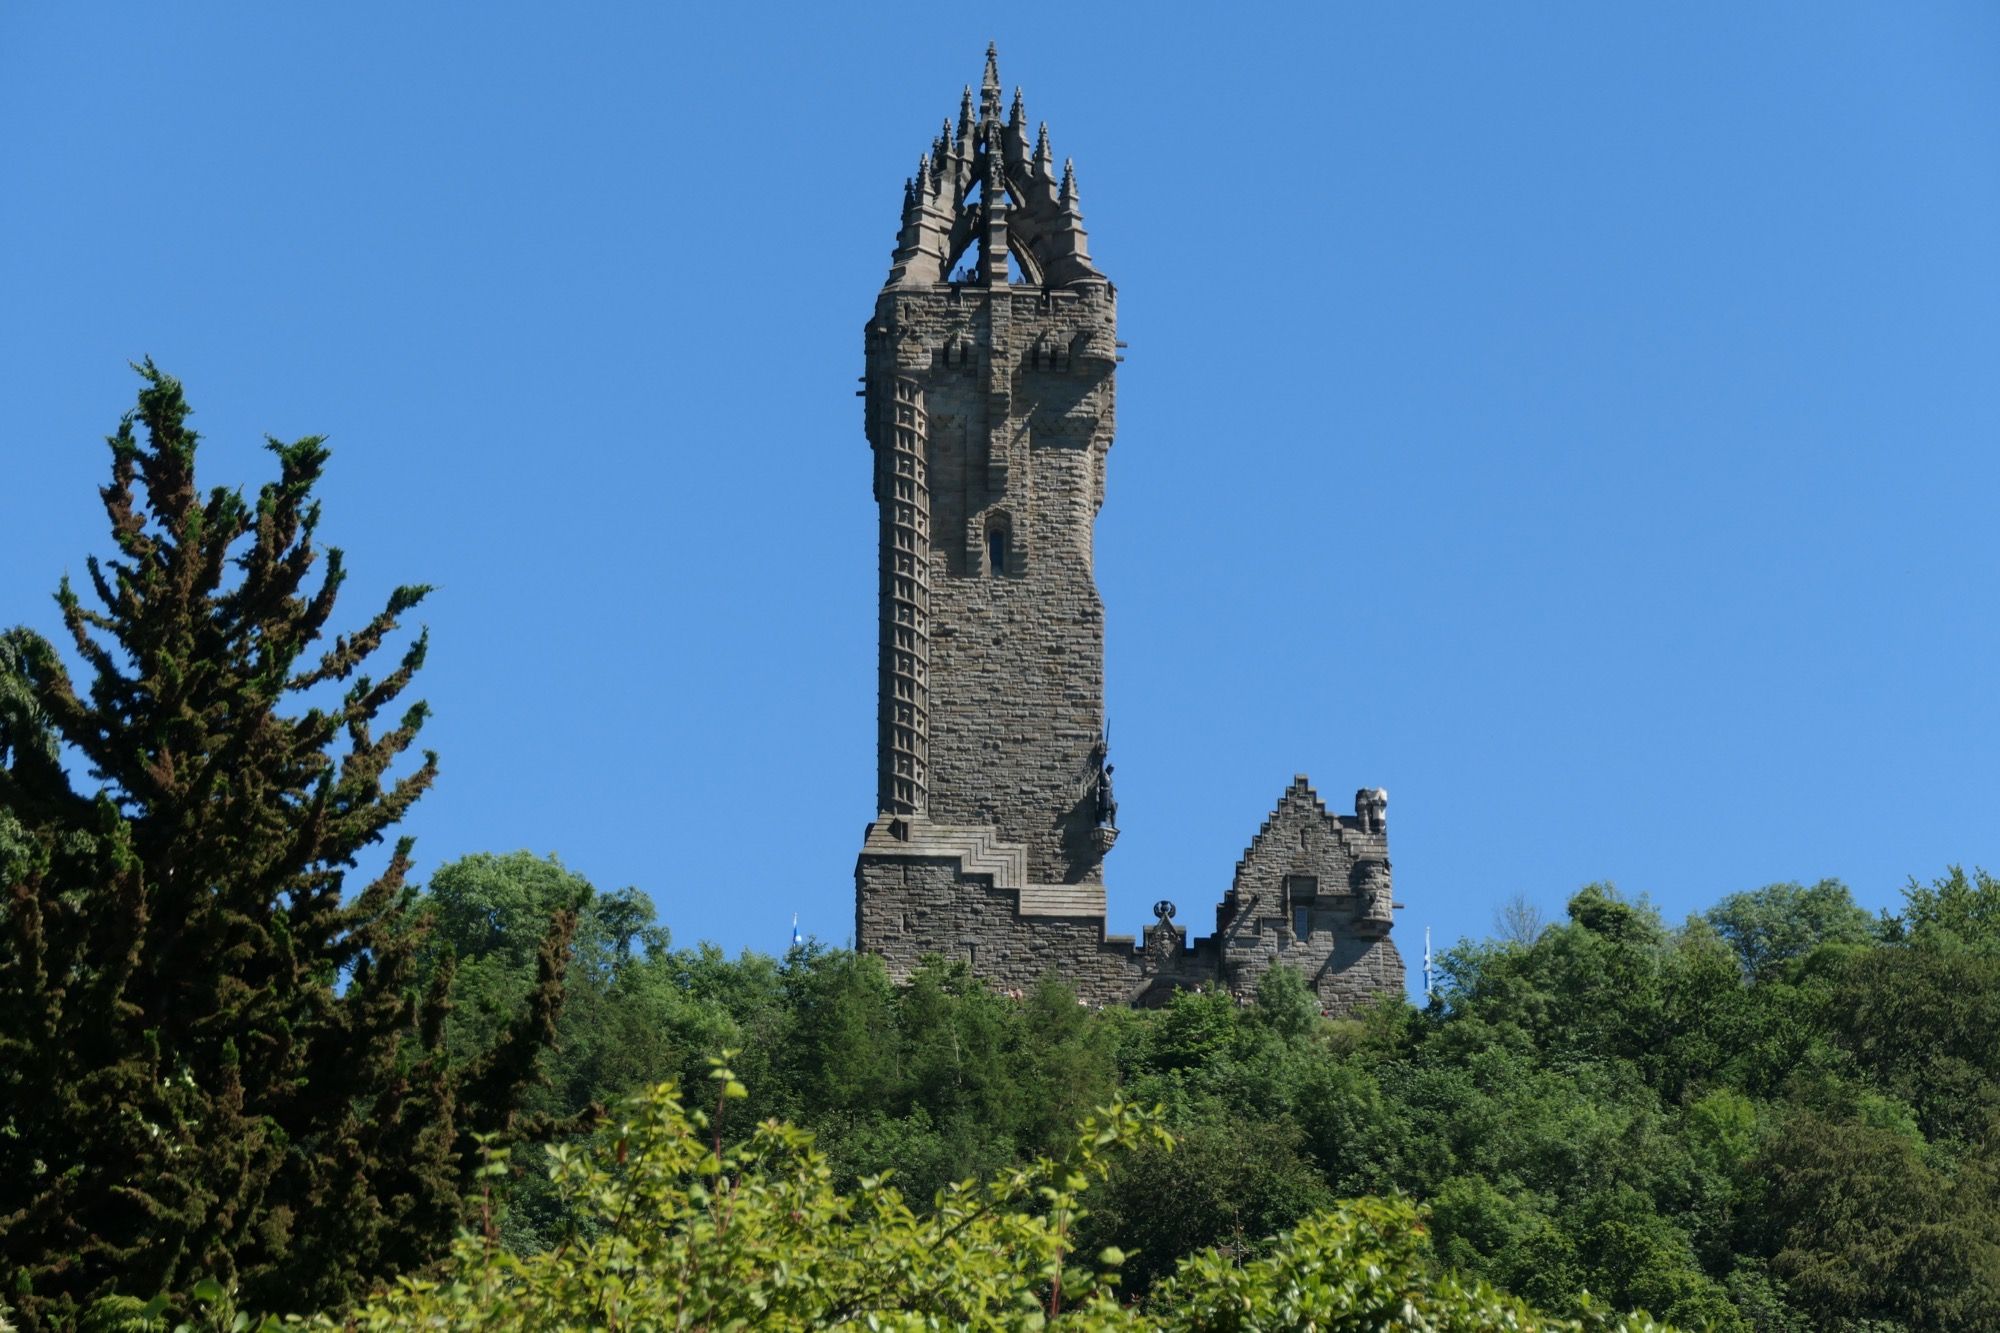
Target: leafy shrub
[(685, 1231)]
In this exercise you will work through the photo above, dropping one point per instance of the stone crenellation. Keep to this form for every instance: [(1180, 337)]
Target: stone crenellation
[(990, 397)]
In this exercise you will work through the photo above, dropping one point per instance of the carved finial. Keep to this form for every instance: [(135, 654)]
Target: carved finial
[(989, 88), (923, 185), (994, 178), (941, 153), (1018, 117), (1045, 162), (1068, 195), (965, 113)]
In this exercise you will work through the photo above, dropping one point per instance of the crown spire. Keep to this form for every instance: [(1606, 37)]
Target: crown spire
[(989, 87), (985, 183)]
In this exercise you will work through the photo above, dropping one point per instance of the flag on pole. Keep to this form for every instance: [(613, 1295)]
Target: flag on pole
[(1427, 962), (795, 930)]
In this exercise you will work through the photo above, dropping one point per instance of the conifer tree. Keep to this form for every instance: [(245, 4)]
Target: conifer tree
[(212, 1063)]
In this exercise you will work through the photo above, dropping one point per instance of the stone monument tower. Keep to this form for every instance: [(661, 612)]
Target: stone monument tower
[(991, 362)]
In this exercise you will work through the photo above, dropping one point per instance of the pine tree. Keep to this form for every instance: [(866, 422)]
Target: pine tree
[(211, 1060)]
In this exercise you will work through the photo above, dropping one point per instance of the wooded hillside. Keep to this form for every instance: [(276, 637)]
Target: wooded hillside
[(230, 1080)]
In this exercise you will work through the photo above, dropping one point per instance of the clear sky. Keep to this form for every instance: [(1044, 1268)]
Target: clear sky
[(1579, 419)]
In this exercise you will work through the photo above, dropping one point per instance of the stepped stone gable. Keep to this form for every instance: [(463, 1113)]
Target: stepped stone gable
[(991, 369), (1312, 892)]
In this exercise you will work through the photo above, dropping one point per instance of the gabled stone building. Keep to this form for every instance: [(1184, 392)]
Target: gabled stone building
[(991, 373)]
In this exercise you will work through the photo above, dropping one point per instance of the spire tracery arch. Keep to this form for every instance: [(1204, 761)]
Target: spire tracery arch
[(984, 188)]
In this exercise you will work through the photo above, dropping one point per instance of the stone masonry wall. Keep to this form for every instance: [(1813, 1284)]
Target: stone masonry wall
[(1017, 392), (1312, 892), (908, 909), (911, 908), (1014, 387)]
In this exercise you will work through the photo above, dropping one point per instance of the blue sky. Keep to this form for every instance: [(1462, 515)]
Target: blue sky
[(1578, 419)]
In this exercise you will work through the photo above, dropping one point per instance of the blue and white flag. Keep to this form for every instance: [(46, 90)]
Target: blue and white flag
[(795, 930)]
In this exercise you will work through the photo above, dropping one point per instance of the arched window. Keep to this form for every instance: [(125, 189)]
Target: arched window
[(1000, 558)]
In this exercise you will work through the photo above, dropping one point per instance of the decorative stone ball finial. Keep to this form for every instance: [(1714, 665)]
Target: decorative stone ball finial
[(1164, 910)]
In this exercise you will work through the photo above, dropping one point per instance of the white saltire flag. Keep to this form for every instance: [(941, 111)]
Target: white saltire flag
[(795, 930)]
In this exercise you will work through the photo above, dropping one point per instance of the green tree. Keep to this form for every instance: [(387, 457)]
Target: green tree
[(690, 1233), (488, 914), (623, 1025), (1920, 1020), (1965, 906), (211, 1059), (842, 1053), (1770, 926), (1286, 1006), (1226, 1182), (1861, 1227)]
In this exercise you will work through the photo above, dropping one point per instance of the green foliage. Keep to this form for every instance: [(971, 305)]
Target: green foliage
[(1682, 1118), (485, 918), (1769, 927), (1226, 1184), (1920, 1022), (1861, 1227), (680, 1231), (1967, 907), (684, 1232), (1286, 1005), (940, 1080), (1615, 1114), (487, 915), (212, 1308), (211, 1059), (1361, 1266), (224, 1078)]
